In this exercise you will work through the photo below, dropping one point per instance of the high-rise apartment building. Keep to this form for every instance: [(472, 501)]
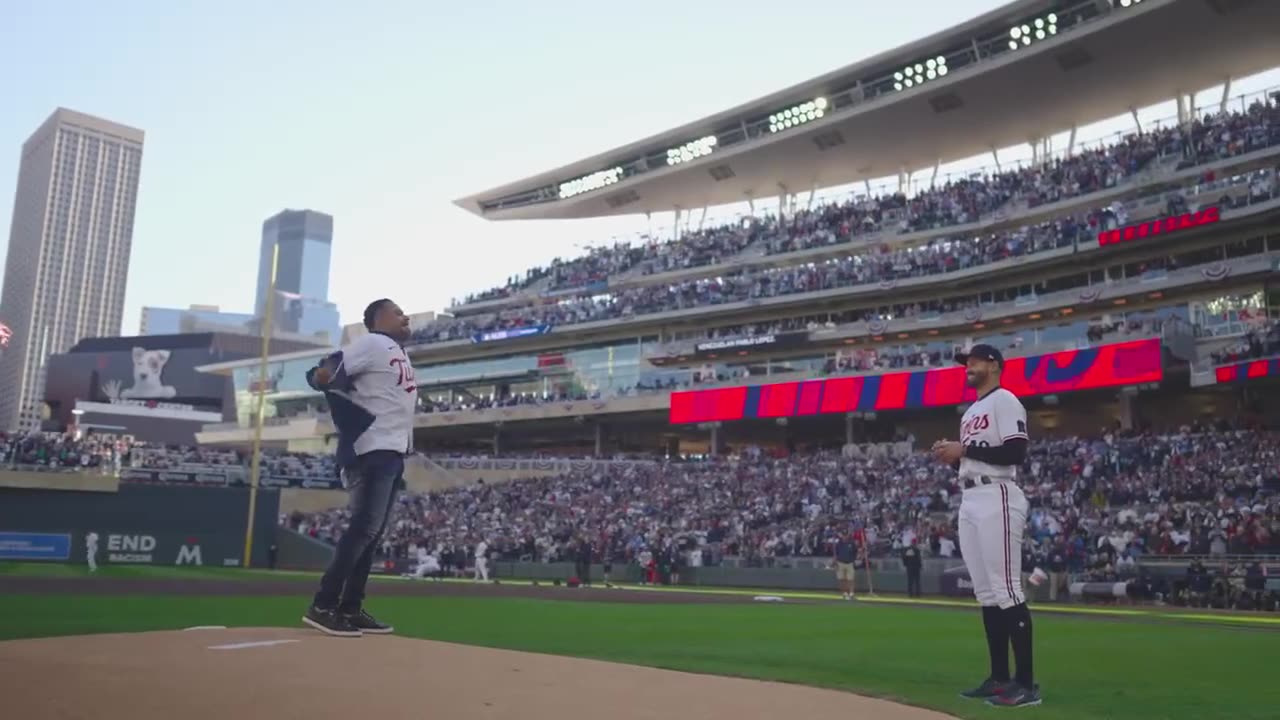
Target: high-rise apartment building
[(69, 243)]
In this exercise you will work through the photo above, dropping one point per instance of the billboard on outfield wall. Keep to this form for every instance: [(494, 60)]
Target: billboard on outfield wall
[(139, 524)]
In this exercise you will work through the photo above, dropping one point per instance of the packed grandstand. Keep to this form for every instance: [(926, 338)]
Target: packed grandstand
[(810, 351), (1099, 505)]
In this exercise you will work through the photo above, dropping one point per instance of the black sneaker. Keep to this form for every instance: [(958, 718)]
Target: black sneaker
[(366, 623), (330, 622), (1016, 696), (989, 689)]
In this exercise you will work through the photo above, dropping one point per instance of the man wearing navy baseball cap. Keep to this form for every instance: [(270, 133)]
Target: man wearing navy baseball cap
[(981, 352), (993, 514)]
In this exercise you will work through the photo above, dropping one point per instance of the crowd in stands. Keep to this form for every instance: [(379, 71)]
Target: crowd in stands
[(1097, 505), (55, 451), (113, 453), (1214, 137), (1262, 342)]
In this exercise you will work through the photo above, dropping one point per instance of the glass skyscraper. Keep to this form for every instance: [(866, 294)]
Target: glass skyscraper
[(305, 238)]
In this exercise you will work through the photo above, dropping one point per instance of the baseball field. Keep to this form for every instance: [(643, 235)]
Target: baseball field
[(118, 644)]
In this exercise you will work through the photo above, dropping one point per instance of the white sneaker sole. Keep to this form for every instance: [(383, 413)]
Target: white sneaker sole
[(331, 632), (385, 631), (1033, 703)]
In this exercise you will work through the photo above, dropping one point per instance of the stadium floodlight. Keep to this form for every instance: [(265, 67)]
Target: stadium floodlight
[(1034, 31), (691, 150), (920, 72), (587, 183), (798, 115), (1128, 3)]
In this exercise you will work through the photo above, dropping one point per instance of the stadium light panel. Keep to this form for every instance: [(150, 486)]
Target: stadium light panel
[(919, 73), (691, 150), (1129, 3), (1040, 28), (798, 115), (587, 183)]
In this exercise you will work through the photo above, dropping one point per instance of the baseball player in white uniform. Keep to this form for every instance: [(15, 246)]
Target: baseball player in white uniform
[(993, 513), (428, 564), (91, 550), (482, 561)]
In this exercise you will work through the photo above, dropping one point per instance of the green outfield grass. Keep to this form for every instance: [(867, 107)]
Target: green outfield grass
[(1089, 669)]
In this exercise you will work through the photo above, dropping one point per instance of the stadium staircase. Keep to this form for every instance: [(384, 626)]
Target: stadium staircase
[(422, 475)]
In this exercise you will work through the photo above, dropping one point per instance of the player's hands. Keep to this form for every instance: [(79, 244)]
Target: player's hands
[(947, 451), (323, 373)]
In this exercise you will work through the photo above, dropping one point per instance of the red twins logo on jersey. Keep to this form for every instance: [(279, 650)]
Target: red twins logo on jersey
[(974, 425), (405, 370)]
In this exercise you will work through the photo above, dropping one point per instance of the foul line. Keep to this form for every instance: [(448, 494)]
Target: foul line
[(259, 643)]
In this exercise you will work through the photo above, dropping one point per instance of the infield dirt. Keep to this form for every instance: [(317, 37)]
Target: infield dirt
[(284, 673)]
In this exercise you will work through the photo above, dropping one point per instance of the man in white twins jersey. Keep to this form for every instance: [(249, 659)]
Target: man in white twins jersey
[(993, 513), (371, 393)]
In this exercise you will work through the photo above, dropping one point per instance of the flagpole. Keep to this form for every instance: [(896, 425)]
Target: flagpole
[(255, 466)]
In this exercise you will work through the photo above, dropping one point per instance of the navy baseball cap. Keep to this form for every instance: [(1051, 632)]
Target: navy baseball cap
[(982, 352)]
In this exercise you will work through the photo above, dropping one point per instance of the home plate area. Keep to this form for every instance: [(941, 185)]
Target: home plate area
[(279, 673)]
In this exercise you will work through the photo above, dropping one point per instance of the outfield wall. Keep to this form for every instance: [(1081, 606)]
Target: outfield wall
[(138, 524)]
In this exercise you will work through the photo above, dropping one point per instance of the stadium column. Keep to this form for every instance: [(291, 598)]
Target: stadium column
[(715, 440), (497, 440), (1226, 94), (599, 438), (675, 224), (1136, 122), (1125, 406), (848, 428)]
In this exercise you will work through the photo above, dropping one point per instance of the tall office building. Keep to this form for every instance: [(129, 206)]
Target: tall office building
[(69, 243), (305, 238)]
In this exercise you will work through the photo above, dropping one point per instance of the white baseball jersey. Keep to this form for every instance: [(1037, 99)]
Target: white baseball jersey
[(384, 388), (991, 421)]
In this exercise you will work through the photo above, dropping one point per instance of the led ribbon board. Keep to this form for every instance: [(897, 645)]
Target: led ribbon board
[(1127, 363)]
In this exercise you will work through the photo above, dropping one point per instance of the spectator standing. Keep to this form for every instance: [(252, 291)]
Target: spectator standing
[(912, 562)]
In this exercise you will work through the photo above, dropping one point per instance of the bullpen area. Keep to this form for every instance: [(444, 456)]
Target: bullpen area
[(145, 642)]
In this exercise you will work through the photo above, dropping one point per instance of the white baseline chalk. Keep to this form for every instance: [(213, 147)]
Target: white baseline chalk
[(244, 645)]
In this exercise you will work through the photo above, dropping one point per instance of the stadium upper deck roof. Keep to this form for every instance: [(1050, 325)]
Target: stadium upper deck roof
[(1101, 62)]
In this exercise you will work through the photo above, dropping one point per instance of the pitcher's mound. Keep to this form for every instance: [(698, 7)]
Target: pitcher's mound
[(279, 673)]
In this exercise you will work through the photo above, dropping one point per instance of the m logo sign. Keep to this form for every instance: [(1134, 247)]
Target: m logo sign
[(189, 555)]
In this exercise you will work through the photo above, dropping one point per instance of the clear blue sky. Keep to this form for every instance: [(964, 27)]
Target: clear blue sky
[(382, 113)]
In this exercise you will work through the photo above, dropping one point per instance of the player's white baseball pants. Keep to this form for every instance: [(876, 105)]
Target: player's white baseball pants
[(992, 518), (482, 569)]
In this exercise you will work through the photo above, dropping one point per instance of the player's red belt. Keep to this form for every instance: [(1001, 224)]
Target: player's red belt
[(970, 482)]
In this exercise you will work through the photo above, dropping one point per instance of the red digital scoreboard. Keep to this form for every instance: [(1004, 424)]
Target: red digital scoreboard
[(1163, 226), (1128, 363)]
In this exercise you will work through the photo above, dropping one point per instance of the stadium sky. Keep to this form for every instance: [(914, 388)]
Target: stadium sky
[(382, 113)]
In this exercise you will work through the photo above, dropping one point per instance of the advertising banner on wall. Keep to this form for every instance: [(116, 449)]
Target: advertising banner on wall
[(166, 524), (223, 477), (34, 546), (956, 582)]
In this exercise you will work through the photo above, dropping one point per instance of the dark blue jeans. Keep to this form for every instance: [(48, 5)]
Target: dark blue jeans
[(377, 477)]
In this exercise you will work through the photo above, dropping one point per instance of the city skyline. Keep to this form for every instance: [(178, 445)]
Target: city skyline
[(238, 130), (67, 261)]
